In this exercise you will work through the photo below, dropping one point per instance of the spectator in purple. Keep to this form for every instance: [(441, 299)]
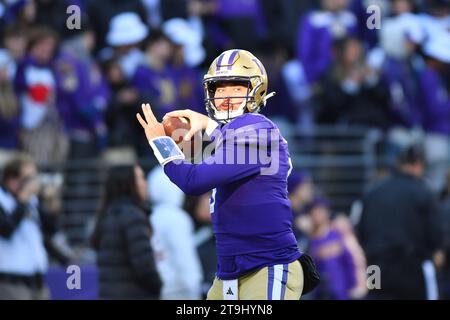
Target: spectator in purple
[(21, 14), (435, 108), (90, 99), (343, 225), (399, 71), (36, 84), (318, 30), (397, 39), (155, 78), (333, 260)]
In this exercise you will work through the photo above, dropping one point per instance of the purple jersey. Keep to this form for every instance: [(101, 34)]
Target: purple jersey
[(335, 264), (317, 31), (435, 102), (251, 212)]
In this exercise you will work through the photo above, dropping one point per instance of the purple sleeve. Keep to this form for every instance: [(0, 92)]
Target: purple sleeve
[(143, 82), (197, 179), (103, 91), (312, 48), (236, 8), (83, 97), (20, 84), (435, 107), (350, 266)]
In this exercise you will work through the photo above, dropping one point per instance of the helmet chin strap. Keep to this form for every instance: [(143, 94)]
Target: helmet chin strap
[(267, 97)]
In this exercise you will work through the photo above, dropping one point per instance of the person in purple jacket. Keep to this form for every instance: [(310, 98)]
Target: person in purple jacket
[(328, 249), (36, 85), (154, 78), (258, 257), (434, 101), (87, 99), (318, 30)]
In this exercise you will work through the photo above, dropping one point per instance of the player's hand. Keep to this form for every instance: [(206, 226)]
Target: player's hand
[(150, 125), (29, 188), (197, 121)]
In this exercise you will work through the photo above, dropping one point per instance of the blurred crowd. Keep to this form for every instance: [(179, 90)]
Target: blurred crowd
[(393, 244), (69, 94)]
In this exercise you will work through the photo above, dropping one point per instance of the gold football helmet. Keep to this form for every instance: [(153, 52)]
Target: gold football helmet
[(238, 66)]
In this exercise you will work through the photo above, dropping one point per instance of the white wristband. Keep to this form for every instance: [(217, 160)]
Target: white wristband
[(166, 150)]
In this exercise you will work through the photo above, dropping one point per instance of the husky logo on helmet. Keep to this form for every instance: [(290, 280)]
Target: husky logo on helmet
[(237, 66)]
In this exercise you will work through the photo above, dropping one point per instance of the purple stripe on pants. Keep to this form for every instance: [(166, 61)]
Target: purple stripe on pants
[(270, 286)]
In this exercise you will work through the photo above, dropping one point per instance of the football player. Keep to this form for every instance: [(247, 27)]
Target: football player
[(257, 252)]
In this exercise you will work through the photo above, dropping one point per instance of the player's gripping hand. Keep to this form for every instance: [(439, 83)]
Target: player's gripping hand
[(150, 125), (197, 121)]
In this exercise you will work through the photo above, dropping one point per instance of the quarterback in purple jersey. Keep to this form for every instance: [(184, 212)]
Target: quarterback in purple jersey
[(257, 252)]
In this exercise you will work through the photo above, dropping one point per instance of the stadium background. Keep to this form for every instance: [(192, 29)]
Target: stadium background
[(348, 98)]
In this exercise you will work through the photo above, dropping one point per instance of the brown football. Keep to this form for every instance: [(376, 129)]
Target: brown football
[(176, 128)]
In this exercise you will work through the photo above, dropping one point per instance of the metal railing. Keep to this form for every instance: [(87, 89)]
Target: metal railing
[(340, 162)]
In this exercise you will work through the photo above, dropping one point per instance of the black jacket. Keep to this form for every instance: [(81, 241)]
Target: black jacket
[(399, 218), (125, 259)]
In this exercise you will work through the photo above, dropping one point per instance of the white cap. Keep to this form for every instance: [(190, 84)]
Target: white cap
[(186, 34), (125, 29)]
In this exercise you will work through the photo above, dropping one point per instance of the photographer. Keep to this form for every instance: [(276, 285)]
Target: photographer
[(23, 257)]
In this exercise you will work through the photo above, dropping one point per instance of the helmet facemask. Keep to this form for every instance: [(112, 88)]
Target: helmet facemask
[(224, 116)]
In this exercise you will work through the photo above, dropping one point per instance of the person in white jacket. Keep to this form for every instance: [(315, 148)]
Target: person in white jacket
[(173, 240)]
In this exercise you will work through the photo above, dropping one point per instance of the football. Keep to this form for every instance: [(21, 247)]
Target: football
[(176, 128)]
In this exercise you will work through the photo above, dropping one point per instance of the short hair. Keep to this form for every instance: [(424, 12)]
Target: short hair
[(411, 154), (41, 32), (13, 168), (13, 31), (155, 36)]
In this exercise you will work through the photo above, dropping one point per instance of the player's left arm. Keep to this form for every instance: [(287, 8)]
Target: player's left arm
[(220, 168)]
